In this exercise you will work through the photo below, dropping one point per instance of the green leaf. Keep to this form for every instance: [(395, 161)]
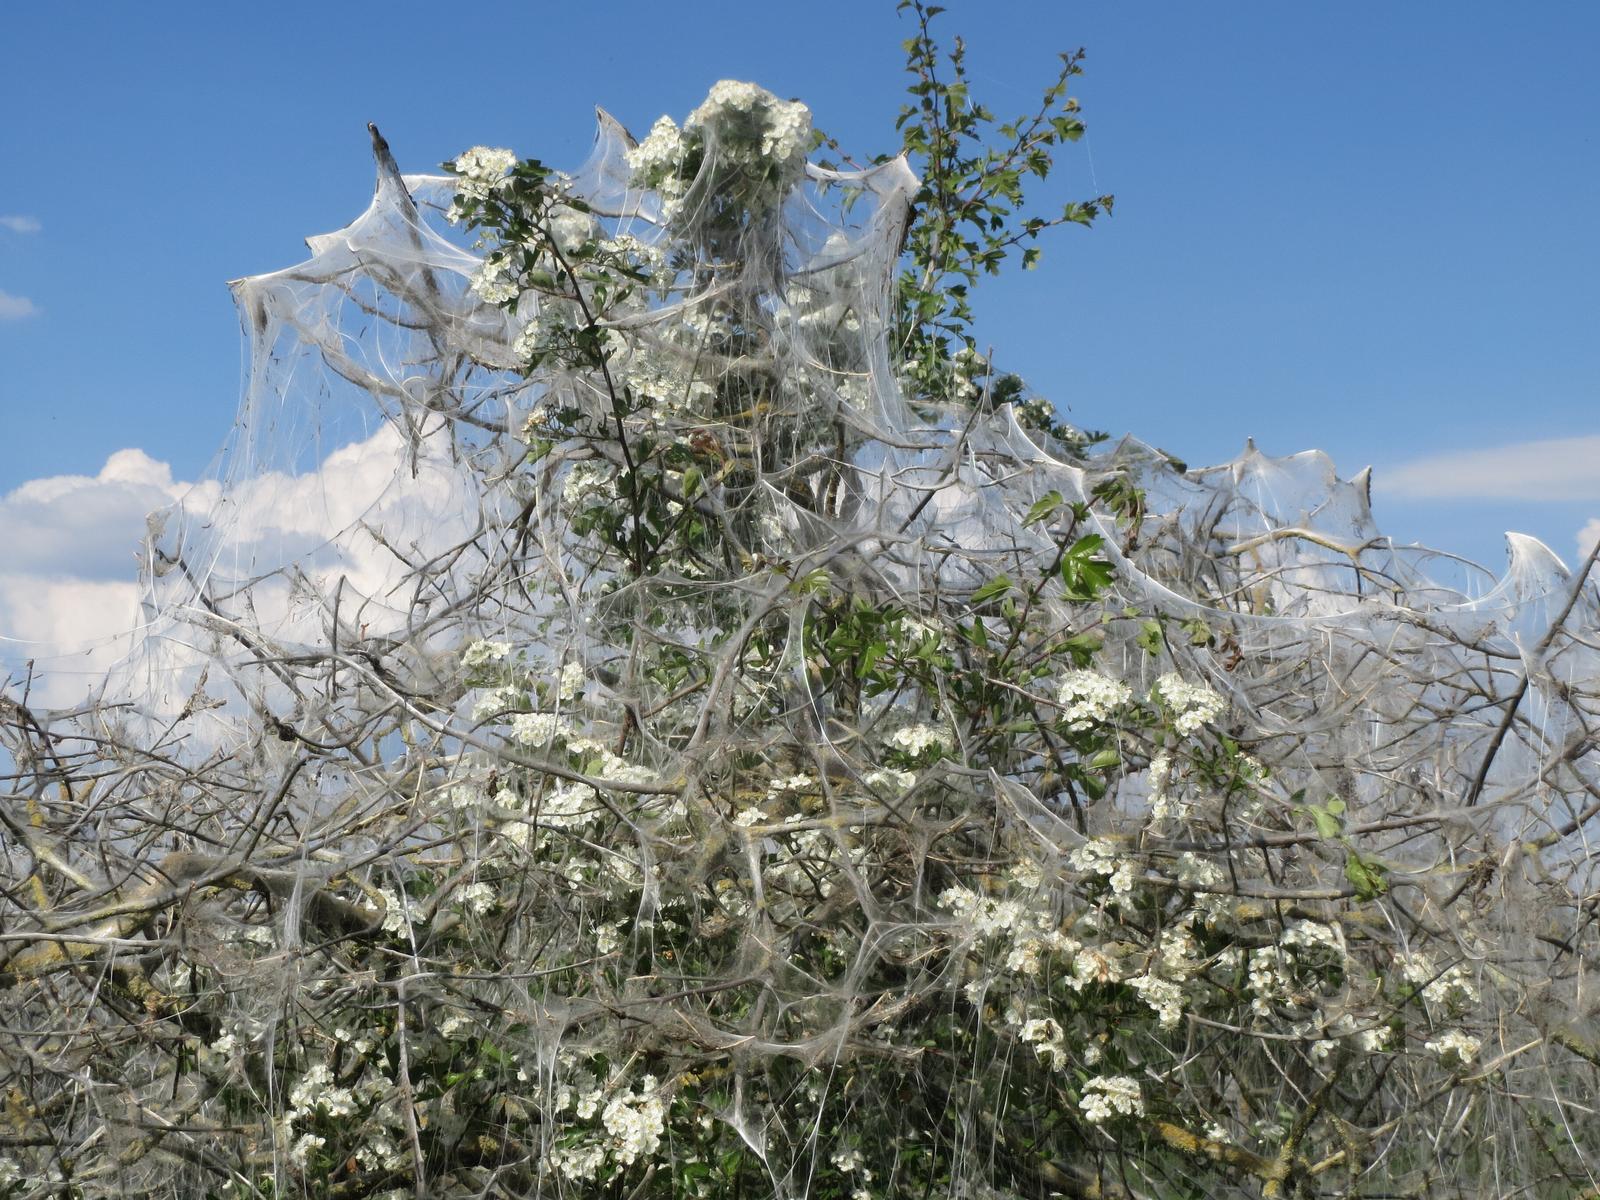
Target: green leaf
[(1149, 639), (1365, 875), (1327, 822), (1043, 507), (998, 586)]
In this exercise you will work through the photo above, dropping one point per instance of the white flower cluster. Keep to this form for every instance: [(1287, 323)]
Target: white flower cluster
[(1047, 1038), (315, 1091), (480, 171), (1192, 704), (553, 317), (493, 281), (1456, 1047), (1268, 980), (1179, 953), (1033, 933), (607, 937), (890, 780), (660, 153), (496, 701), (397, 912), (1312, 935), (915, 740), (572, 681), (1099, 856), (1162, 995), (478, 897), (747, 124), (570, 806), (482, 653), (1195, 871), (1093, 965), (1453, 985), (589, 482), (1106, 1095), (632, 1121), (1088, 698), (635, 1121), (786, 784), (302, 1148), (667, 378), (850, 1161), (1163, 803), (537, 728), (785, 125)]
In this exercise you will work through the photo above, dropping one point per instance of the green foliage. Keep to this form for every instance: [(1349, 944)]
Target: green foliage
[(971, 215)]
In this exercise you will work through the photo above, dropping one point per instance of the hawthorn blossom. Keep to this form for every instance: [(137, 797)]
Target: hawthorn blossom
[(1456, 1048), (536, 729), (1107, 1095), (1163, 996), (1192, 704), (1047, 1038), (479, 171), (482, 653), (1088, 698), (635, 1122), (915, 740)]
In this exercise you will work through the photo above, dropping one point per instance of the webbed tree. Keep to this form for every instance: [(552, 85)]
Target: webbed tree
[(726, 748)]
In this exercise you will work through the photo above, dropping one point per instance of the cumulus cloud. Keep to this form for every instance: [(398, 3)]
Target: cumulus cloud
[(85, 526), (1555, 469), (20, 224), (1587, 536), (69, 596), (14, 308)]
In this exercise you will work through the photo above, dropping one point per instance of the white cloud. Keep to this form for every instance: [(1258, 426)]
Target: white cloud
[(86, 526), (14, 308), (1587, 536), (1555, 469), (68, 582), (21, 224)]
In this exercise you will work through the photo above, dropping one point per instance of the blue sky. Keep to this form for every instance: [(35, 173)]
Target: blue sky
[(1363, 227)]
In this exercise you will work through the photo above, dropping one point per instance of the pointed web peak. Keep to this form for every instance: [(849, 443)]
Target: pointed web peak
[(388, 179)]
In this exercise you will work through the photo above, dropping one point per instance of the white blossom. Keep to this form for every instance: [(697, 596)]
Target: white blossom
[(571, 684), (1088, 698), (891, 780), (635, 1122), (493, 282), (481, 170), (496, 701), (1106, 1095), (661, 151), (478, 897), (537, 728), (915, 740), (579, 1162), (1452, 985), (302, 1148), (1191, 704), (847, 1160), (315, 1091), (1162, 995), (786, 784), (1456, 1047), (1047, 1038)]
